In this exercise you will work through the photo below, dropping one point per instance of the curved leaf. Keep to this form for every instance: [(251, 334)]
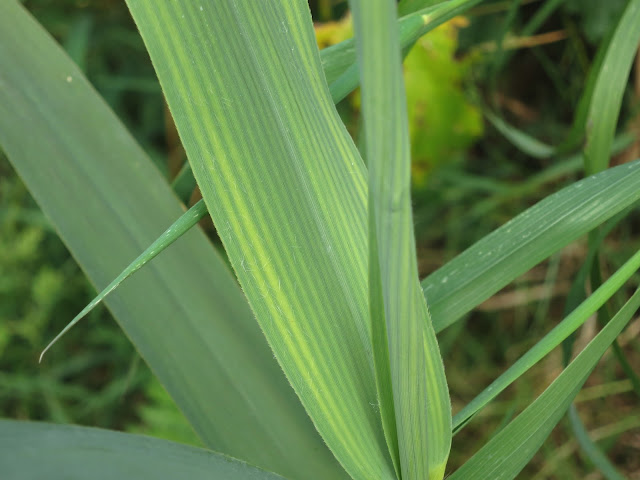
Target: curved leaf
[(286, 189), (40, 450), (609, 89), (506, 454), (500, 257), (185, 312), (420, 399)]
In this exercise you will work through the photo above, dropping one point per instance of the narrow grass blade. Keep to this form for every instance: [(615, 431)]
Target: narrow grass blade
[(609, 89), (524, 142), (175, 231), (550, 341), (405, 7), (337, 60), (510, 450), (60, 452), (184, 184), (420, 395), (500, 257), (185, 311), (286, 189), (590, 448)]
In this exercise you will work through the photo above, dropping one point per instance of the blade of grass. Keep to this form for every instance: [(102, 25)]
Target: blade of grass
[(509, 451), (497, 259), (108, 201), (285, 186), (405, 7), (175, 231), (420, 395), (550, 341), (609, 89), (590, 448), (339, 58), (40, 450), (184, 184), (524, 142)]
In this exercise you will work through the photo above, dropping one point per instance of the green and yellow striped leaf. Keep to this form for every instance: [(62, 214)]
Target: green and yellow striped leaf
[(286, 189), (419, 397), (185, 312)]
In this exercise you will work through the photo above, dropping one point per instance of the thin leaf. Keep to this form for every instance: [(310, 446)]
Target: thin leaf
[(590, 448), (184, 184), (524, 142), (609, 89), (405, 7), (554, 338), (420, 395), (41, 450), (497, 259), (185, 312), (286, 188), (175, 231), (506, 454), (338, 60)]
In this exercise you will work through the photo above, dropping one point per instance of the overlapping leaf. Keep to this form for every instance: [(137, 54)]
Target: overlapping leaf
[(420, 401), (185, 313), (506, 454), (286, 189), (41, 450)]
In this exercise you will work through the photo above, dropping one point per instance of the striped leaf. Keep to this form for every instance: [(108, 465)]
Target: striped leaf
[(420, 399), (609, 88), (184, 313), (286, 189), (506, 454)]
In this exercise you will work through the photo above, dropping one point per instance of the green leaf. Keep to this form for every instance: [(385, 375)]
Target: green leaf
[(524, 142), (421, 402), (338, 60), (185, 312), (500, 257), (175, 231), (40, 450), (550, 341), (286, 189), (590, 448), (609, 89), (405, 7), (506, 454)]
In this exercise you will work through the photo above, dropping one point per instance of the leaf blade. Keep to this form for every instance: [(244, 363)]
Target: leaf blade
[(420, 395), (497, 259), (39, 450), (510, 450), (85, 162), (287, 194)]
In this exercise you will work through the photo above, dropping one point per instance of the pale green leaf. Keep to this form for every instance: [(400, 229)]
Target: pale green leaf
[(420, 396), (609, 88), (185, 312), (286, 189), (503, 255), (175, 231), (31, 451), (506, 454)]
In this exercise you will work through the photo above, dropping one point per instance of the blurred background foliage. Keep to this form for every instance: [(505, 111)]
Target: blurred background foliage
[(468, 179)]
